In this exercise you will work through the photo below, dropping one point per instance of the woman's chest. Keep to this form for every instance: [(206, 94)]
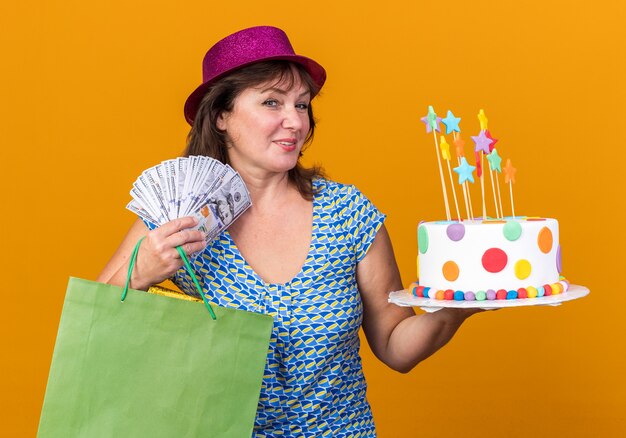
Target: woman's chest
[(275, 245)]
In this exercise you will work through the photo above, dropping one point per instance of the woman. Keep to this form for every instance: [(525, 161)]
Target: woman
[(312, 253)]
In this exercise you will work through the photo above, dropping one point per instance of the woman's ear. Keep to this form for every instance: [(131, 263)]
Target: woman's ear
[(221, 121)]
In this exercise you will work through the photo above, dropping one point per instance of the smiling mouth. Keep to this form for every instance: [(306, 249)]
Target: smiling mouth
[(286, 145)]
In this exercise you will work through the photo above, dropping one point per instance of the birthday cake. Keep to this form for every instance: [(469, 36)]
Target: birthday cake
[(484, 258), (513, 258)]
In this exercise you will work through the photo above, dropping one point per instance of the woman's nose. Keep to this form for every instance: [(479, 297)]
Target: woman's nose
[(292, 119)]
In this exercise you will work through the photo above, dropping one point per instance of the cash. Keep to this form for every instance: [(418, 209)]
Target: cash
[(199, 186)]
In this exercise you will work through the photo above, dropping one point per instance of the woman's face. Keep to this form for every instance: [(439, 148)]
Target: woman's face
[(267, 127)]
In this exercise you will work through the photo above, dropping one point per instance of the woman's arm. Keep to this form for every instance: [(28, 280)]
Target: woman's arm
[(157, 258), (395, 334)]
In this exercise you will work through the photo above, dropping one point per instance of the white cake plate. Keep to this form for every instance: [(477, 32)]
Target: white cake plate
[(406, 299)]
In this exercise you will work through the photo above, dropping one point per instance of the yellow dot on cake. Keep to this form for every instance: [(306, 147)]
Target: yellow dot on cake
[(522, 269)]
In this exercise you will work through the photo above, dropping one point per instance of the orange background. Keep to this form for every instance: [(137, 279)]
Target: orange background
[(91, 93)]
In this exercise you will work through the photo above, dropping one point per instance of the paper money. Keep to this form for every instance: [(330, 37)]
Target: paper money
[(197, 186)]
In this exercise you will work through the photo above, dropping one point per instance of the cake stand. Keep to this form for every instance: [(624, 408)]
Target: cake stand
[(406, 299)]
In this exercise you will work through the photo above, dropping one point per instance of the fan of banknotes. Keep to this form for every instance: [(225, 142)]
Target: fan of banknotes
[(197, 186)]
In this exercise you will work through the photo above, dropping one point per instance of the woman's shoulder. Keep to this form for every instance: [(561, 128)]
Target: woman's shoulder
[(338, 196), (333, 189)]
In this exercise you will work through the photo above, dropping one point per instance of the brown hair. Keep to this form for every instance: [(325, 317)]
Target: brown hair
[(205, 138)]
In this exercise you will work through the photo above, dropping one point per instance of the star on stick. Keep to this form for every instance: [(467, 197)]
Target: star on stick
[(465, 171), (428, 126), (482, 142), (494, 160), (509, 177), (459, 145), (493, 140), (509, 172), (431, 120), (445, 148), (482, 118), (451, 122), (445, 154)]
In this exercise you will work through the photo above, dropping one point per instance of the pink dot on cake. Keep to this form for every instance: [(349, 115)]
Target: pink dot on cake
[(494, 260)]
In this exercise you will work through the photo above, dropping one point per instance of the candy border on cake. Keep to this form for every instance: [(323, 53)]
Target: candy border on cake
[(545, 290)]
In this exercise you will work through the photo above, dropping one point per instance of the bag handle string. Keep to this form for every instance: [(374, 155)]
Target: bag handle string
[(188, 267)]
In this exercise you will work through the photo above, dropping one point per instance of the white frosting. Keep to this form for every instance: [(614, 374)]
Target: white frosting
[(467, 253)]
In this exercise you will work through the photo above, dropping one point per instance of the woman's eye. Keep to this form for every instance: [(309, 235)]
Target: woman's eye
[(270, 102), (302, 106)]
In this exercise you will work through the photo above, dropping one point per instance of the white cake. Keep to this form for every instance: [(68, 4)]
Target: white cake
[(513, 258)]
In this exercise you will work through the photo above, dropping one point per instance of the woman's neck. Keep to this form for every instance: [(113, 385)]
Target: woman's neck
[(266, 189)]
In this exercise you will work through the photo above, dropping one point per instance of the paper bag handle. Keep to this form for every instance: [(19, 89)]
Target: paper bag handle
[(188, 267)]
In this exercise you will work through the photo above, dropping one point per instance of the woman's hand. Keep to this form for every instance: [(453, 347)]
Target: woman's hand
[(158, 258), (395, 334)]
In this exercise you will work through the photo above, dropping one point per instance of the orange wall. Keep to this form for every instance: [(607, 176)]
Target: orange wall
[(91, 94)]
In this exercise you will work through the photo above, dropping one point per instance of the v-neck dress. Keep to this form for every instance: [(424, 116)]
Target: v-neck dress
[(313, 383)]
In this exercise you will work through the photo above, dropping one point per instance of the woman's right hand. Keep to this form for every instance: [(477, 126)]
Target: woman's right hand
[(158, 258)]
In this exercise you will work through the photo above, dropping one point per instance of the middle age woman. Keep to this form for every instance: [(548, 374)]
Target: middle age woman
[(311, 252)]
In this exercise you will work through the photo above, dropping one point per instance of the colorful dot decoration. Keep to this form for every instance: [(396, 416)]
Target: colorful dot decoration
[(455, 232), (450, 271), (522, 269), (422, 239), (512, 230), (546, 290), (494, 260), (545, 240)]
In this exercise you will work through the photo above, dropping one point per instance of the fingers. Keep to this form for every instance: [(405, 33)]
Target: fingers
[(191, 247), (178, 233), (158, 258), (186, 237), (176, 225)]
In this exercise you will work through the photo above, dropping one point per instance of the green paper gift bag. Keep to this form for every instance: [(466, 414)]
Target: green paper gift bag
[(152, 366)]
